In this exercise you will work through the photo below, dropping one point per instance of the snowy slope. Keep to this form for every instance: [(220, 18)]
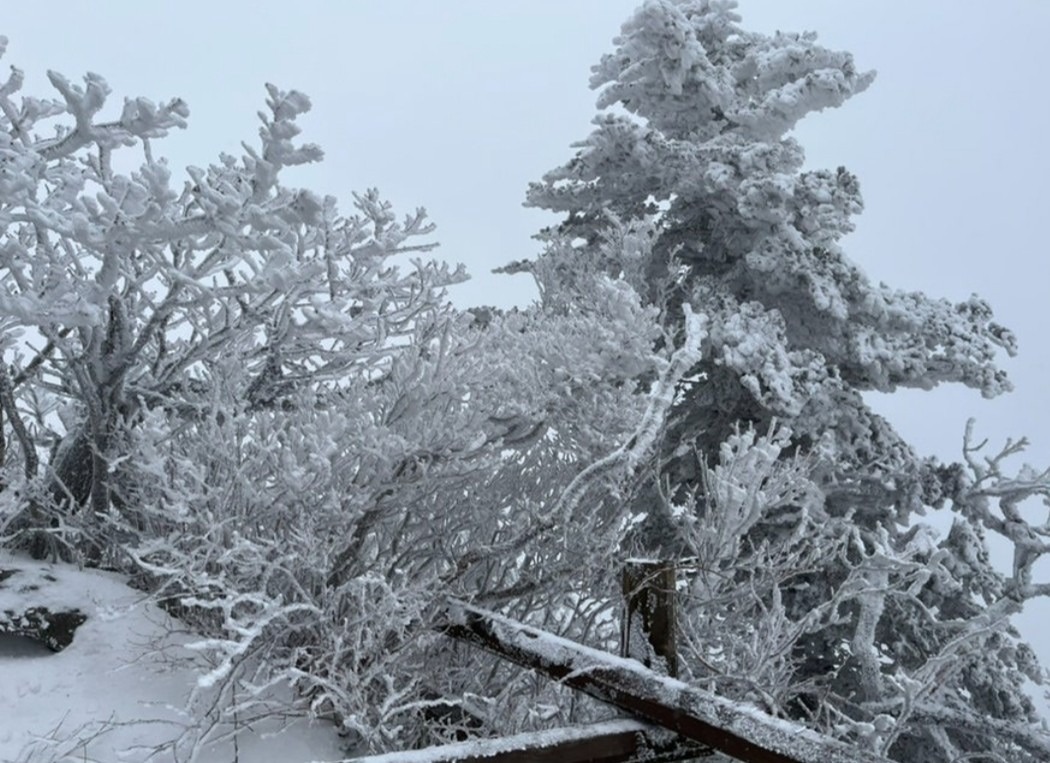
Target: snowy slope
[(118, 693)]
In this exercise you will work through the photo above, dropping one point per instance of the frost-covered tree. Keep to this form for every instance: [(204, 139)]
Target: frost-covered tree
[(253, 403), (817, 592), (259, 408), (121, 293)]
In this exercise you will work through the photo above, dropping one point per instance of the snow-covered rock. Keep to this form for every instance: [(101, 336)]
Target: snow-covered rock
[(118, 691), (33, 605)]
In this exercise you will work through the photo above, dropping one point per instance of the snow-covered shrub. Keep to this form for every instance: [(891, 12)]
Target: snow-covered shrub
[(269, 414)]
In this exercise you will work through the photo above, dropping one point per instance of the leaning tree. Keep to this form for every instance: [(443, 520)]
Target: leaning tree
[(817, 591)]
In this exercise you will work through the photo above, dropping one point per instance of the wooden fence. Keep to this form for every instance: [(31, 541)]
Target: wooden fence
[(702, 722)]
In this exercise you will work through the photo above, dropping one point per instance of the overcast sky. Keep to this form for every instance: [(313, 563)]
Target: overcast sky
[(456, 105)]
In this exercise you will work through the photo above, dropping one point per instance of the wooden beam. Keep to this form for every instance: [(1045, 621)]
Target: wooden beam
[(736, 729), (619, 741)]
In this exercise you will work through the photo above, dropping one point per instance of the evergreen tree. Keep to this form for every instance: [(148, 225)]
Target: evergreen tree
[(805, 537)]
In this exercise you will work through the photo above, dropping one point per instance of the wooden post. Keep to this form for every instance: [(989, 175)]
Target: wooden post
[(649, 623)]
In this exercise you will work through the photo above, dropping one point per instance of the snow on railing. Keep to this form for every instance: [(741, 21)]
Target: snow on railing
[(737, 729)]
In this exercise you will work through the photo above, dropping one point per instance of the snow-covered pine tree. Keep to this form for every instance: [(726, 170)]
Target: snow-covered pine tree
[(818, 594)]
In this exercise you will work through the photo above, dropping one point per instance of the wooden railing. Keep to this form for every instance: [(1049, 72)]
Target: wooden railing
[(702, 722)]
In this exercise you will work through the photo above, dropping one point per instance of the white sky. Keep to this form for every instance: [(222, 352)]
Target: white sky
[(456, 104)]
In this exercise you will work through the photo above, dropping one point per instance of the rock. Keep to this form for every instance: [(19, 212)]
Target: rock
[(26, 609)]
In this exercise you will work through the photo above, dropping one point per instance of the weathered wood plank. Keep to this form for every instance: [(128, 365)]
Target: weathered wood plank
[(618, 741), (739, 730)]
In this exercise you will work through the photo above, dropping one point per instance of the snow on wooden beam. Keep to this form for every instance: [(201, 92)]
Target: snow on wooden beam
[(609, 742), (737, 729)]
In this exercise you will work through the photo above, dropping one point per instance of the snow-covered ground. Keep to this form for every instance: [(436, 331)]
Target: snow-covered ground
[(118, 693)]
